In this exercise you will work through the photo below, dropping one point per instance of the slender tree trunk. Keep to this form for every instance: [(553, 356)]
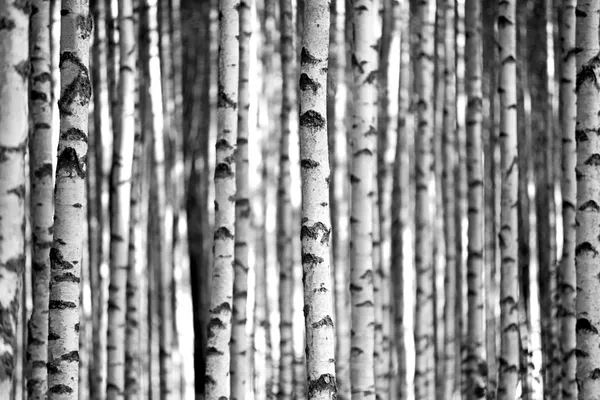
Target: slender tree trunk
[(424, 333), (285, 236), (314, 161), (14, 74), (508, 237), (69, 201), (449, 201), (567, 280), (219, 328), (239, 343), (476, 367), (120, 191), (588, 199), (41, 201), (338, 192), (362, 252)]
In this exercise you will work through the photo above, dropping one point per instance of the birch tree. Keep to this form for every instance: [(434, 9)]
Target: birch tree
[(476, 367), (69, 201), (315, 231), (14, 73), (509, 289), (120, 212), (567, 280), (41, 206), (363, 143), (424, 330), (219, 326), (588, 199)]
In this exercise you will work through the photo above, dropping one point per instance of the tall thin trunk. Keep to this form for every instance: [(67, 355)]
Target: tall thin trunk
[(424, 332), (476, 367), (219, 327), (42, 210), (508, 237), (588, 199), (285, 235), (314, 161), (567, 281), (240, 364), (120, 208), (69, 201), (14, 74), (449, 201), (338, 192), (364, 123)]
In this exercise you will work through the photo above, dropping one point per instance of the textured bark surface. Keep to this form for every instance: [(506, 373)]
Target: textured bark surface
[(566, 276), (240, 364), (509, 289), (69, 201), (315, 231), (363, 144), (14, 74), (424, 314), (41, 203), (120, 207), (217, 379), (285, 227), (475, 363), (338, 192), (588, 200)]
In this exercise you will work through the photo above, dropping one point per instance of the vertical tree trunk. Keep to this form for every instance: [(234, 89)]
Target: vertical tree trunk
[(424, 334), (219, 327), (69, 200), (285, 236), (476, 362), (567, 280), (41, 201), (120, 193), (508, 237), (338, 192), (449, 201), (314, 161), (14, 74), (239, 343), (588, 199)]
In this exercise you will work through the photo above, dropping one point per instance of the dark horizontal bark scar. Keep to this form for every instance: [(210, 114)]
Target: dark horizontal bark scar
[(308, 163), (223, 145), (60, 389), (37, 95), (307, 58), (503, 22), (61, 305), (85, 24), (223, 171), (23, 5), (7, 24), (45, 170), (587, 73), (306, 83), (327, 321), (75, 135), (72, 356), (224, 101), (367, 303), (311, 259), (58, 261), (223, 233), (66, 277), (18, 191), (585, 248), (79, 91), (212, 351), (589, 205), (366, 152), (312, 232), (312, 120), (68, 164), (223, 307), (325, 383), (23, 69), (41, 78), (15, 264), (584, 325)]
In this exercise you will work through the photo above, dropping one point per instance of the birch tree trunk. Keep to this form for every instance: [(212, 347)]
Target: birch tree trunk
[(285, 236), (240, 363), (69, 202), (476, 366), (509, 290), (364, 133), (424, 330), (120, 191), (314, 162), (41, 200), (567, 279), (219, 327), (588, 199), (14, 74)]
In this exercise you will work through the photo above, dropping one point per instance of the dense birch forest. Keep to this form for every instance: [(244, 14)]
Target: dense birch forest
[(299, 199)]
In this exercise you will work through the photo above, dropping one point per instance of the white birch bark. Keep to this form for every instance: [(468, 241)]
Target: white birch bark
[(69, 201), (315, 231)]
